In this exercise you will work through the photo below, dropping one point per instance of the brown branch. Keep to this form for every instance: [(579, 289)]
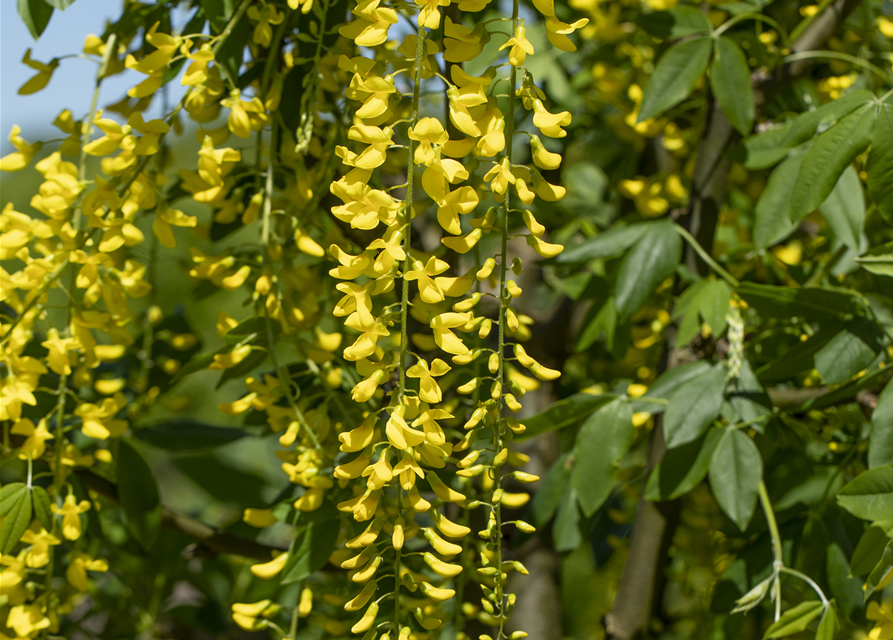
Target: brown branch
[(210, 539)]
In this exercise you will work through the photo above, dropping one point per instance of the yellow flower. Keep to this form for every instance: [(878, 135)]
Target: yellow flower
[(18, 160), (164, 219), (882, 615), (41, 543), (79, 564), (265, 16), (35, 444), (550, 123), (70, 511), (520, 47), (26, 620), (461, 43), (429, 292), (428, 132), (558, 31), (429, 390), (44, 73), (429, 16), (370, 28), (99, 421), (197, 72)]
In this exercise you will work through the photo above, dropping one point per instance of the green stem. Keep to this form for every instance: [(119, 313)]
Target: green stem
[(808, 20), (722, 273), (777, 549), (837, 55)]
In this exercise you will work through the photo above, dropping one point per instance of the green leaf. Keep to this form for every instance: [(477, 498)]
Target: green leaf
[(9, 495), (824, 163), (548, 494), (61, 5), (870, 494), (198, 363), (138, 492), (800, 357), (563, 414), (602, 442), (880, 573), (667, 383), (849, 352), (707, 300), (814, 303), (749, 399), (36, 15), (251, 362), (766, 149), (42, 508), (869, 551), (829, 624), (880, 163), (183, 434), (693, 406), (676, 23), (735, 473), (16, 520), (730, 81), (847, 590), (844, 210), (878, 260), (675, 76), (604, 321), (566, 531), (606, 244), (795, 619), (683, 468), (772, 224), (649, 262), (880, 447), (218, 12), (310, 551)]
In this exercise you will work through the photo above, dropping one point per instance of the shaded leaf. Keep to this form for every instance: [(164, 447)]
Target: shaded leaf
[(601, 443), (880, 448), (693, 406), (16, 520), (880, 572), (42, 509), (604, 322), (675, 76), (824, 163), (844, 210), (566, 530), (847, 590), (310, 551), (606, 244), (682, 468), (183, 434), (562, 414), (829, 624), (772, 223), (730, 81), (879, 168), (870, 494), (878, 260), (868, 551), (9, 495), (849, 352), (678, 22), (735, 473), (551, 489), (139, 494), (668, 382), (814, 303), (649, 262), (795, 619)]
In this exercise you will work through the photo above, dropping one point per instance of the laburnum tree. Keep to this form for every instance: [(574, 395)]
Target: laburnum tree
[(442, 319)]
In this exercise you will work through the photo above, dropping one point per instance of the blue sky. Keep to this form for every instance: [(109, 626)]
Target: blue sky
[(71, 86)]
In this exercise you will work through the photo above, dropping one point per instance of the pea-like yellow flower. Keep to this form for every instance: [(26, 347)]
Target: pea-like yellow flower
[(26, 620), (429, 390), (428, 132), (429, 16), (423, 275), (461, 43), (550, 123), (99, 421), (557, 32), (165, 218), (19, 159), (79, 564), (370, 27), (36, 437), (70, 511), (265, 15), (520, 47)]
